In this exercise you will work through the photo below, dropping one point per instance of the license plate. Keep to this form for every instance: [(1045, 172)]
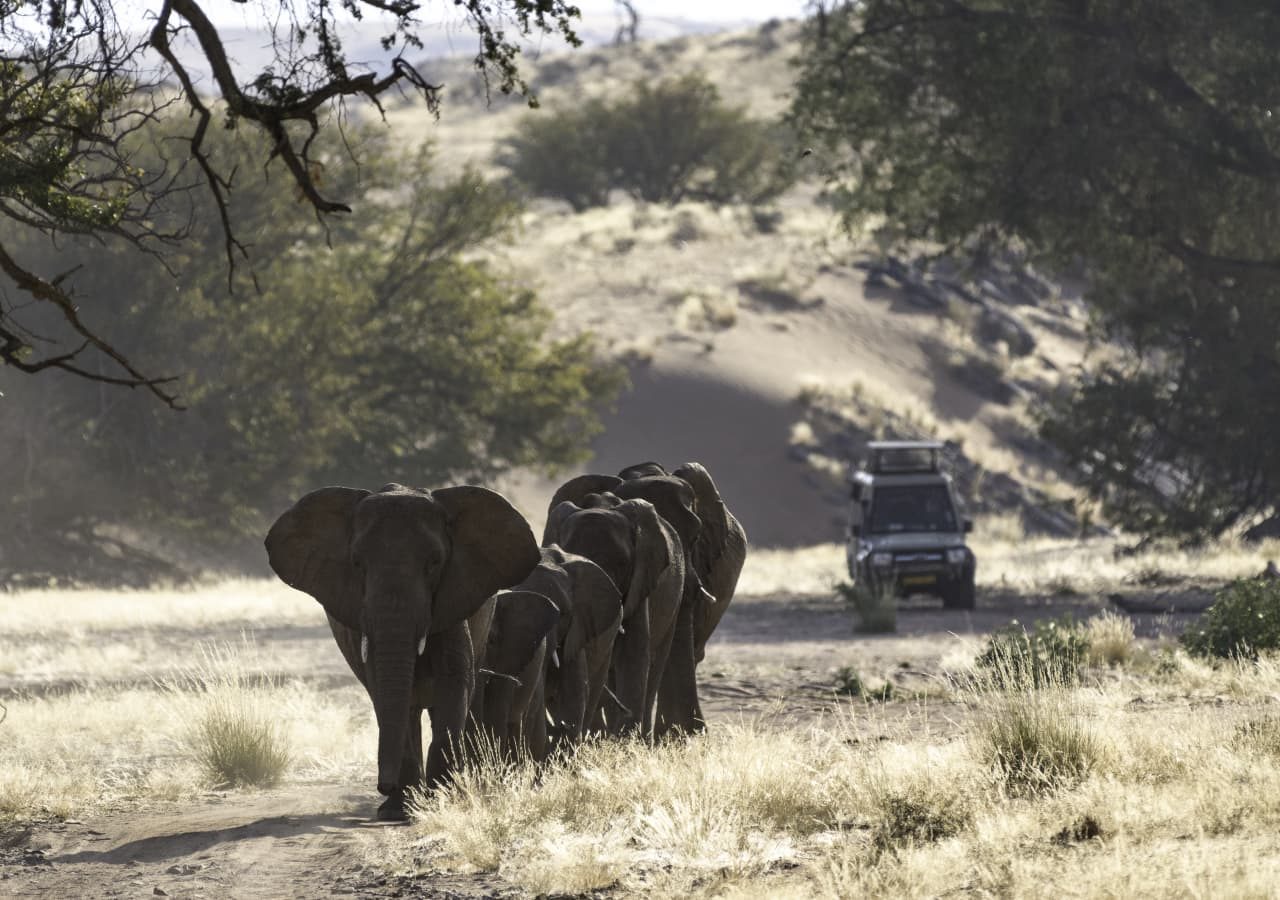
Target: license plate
[(919, 579)]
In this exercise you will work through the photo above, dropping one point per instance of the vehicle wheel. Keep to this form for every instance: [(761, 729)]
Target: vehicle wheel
[(960, 595)]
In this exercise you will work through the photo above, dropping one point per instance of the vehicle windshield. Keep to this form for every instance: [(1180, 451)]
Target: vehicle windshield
[(923, 507)]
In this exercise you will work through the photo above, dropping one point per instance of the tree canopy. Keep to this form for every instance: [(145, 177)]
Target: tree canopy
[(399, 354), (1137, 143), (79, 79)]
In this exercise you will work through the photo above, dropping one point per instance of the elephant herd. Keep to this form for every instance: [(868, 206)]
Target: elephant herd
[(442, 600)]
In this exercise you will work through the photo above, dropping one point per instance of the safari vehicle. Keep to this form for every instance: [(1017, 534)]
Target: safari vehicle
[(905, 530)]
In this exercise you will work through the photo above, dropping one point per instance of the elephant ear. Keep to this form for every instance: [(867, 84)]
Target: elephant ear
[(597, 604), (642, 470), (492, 549), (521, 620), (722, 546), (555, 521), (575, 491), (309, 547), (652, 552)]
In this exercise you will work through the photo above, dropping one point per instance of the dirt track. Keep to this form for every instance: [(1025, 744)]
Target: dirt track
[(773, 656)]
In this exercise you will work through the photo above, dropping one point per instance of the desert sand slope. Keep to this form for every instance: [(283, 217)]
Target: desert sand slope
[(726, 314)]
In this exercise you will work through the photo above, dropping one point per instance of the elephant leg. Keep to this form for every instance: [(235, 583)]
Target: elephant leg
[(572, 713), (453, 667), (631, 674), (394, 808), (498, 700), (533, 724), (659, 658), (678, 709)]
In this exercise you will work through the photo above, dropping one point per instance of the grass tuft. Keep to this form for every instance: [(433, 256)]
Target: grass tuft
[(231, 729), (1110, 639), (1036, 742)]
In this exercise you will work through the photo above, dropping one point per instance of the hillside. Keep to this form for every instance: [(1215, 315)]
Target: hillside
[(730, 318)]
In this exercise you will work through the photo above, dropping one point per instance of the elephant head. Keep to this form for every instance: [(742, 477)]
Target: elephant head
[(398, 566), (624, 538), (719, 552)]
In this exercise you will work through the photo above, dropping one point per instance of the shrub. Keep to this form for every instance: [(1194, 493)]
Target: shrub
[(1036, 743), (565, 155), (661, 143), (1243, 620), (919, 815), (1110, 639), (850, 684), (1050, 655), (875, 609), (1261, 736), (236, 742)]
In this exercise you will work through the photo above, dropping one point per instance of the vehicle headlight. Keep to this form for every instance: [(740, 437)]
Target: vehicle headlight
[(955, 556), (881, 559)]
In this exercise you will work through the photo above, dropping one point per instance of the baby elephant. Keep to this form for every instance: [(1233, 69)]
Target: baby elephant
[(590, 608), (520, 645)]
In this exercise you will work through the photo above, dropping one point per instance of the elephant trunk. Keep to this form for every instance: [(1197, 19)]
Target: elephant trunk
[(394, 660)]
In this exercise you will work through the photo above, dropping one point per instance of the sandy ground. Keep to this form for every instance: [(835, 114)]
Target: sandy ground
[(772, 660)]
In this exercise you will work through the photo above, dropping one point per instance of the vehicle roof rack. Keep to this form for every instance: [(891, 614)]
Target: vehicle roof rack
[(904, 456)]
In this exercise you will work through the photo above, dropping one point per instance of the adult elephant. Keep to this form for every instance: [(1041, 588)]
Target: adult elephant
[(520, 644), (715, 548), (590, 607), (641, 553), (399, 573)]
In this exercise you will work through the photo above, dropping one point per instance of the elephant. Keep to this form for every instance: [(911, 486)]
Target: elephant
[(590, 607), (715, 547), (641, 553), (405, 575), (519, 646)]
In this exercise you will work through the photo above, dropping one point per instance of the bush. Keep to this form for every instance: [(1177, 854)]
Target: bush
[(706, 150), (1048, 656), (919, 815), (1035, 743), (1243, 620), (875, 610), (850, 684)]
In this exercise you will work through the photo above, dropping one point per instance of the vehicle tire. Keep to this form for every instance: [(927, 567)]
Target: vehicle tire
[(961, 594)]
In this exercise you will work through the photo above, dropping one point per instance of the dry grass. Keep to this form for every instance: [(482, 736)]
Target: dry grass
[(808, 570), (247, 602), (98, 747), (231, 728), (1034, 564), (1111, 639), (1048, 794)]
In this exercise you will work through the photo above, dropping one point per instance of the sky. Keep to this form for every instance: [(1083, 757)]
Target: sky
[(233, 13)]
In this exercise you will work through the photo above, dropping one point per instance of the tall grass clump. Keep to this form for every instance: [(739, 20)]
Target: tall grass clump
[(1110, 639), (1036, 741), (875, 607), (231, 729), (1243, 620), (1051, 654)]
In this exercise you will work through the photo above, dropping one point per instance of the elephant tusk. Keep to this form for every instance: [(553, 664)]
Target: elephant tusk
[(364, 648), (555, 658), (492, 674), (422, 645), (621, 629)]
